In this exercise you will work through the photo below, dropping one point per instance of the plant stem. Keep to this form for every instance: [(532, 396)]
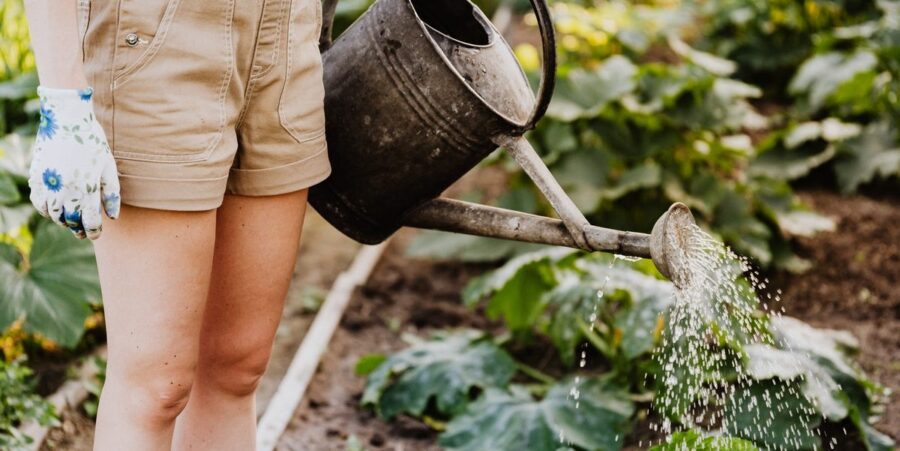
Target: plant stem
[(535, 373), (595, 339)]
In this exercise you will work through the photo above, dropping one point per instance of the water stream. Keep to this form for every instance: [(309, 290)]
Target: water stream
[(704, 383)]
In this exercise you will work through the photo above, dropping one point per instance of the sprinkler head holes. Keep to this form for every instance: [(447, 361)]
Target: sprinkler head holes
[(670, 243)]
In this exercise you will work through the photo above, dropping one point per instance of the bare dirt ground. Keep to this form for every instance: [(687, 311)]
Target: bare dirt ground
[(852, 286)]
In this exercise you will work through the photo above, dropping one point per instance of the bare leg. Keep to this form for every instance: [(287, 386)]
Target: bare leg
[(154, 270), (256, 248)]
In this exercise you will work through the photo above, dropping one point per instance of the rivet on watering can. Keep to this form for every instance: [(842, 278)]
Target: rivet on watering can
[(132, 39)]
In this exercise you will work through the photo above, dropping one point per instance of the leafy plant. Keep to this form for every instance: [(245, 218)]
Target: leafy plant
[(95, 386), (769, 39), (693, 440), (588, 414), (19, 403), (618, 311), (444, 369), (49, 285), (844, 81)]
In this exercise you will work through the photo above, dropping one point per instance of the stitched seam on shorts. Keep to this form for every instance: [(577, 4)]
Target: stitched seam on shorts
[(256, 76), (275, 168), (223, 90), (120, 77), (166, 179), (84, 10), (276, 55), (299, 137)]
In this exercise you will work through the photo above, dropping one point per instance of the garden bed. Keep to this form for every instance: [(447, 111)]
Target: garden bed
[(856, 267)]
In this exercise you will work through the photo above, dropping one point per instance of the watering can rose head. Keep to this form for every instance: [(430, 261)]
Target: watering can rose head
[(670, 243)]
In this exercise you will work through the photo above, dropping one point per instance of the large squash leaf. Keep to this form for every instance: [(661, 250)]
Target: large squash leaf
[(9, 193), (15, 155), (692, 440), (823, 74), (445, 369), (51, 287), (774, 414), (516, 289), (585, 93), (12, 217), (591, 414), (873, 154)]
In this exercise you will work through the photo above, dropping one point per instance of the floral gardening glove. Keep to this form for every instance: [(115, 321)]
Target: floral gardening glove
[(73, 173)]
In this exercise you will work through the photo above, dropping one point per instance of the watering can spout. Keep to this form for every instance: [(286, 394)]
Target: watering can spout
[(666, 245)]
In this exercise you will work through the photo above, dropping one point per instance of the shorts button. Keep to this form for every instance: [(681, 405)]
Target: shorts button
[(131, 39)]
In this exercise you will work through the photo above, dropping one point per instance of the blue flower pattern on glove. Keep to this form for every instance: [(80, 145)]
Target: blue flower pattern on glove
[(52, 180), (73, 176), (47, 127), (85, 94)]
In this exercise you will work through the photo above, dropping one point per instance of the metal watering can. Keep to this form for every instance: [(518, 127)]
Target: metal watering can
[(417, 92)]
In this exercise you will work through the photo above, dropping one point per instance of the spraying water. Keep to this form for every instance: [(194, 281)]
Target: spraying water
[(717, 317)]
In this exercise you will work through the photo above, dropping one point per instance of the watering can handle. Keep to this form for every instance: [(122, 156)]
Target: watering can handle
[(548, 57), (329, 7)]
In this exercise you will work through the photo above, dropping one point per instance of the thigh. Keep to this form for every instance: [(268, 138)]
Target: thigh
[(257, 239), (154, 271)]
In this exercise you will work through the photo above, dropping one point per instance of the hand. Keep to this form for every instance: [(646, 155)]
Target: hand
[(73, 174)]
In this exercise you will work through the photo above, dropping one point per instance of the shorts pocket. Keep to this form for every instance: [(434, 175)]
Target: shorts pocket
[(301, 106), (169, 98), (141, 30)]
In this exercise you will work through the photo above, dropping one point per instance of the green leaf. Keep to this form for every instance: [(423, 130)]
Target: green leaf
[(709, 62), (804, 223), (11, 218), (15, 155), (21, 87), (790, 164), (829, 349), (766, 362), (513, 420), (53, 289), (445, 368), (693, 440), (368, 363), (586, 93), (873, 154), (9, 193), (496, 280), (582, 174), (790, 426), (822, 74), (737, 222), (871, 438)]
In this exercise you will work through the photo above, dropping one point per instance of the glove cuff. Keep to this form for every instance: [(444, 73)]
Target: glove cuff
[(65, 106), (64, 94)]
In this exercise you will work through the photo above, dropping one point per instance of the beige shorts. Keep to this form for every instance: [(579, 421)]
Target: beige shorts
[(200, 97)]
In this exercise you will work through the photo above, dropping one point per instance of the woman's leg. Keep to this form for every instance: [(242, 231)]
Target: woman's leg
[(154, 270), (256, 249)]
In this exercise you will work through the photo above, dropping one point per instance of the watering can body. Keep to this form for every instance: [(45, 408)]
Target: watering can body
[(417, 92), (412, 106)]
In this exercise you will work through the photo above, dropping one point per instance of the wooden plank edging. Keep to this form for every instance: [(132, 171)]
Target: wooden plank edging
[(303, 366)]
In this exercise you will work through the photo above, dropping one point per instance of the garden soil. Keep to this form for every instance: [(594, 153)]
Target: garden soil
[(852, 286)]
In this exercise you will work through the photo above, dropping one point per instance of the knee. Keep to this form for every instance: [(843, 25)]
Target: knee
[(234, 370), (157, 396)]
